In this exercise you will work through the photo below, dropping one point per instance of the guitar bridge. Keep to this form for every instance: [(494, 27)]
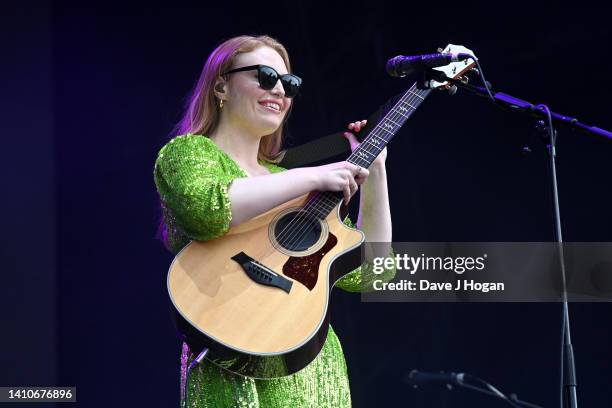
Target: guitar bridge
[(262, 274)]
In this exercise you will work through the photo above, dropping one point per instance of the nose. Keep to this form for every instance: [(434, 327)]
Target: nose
[(278, 89)]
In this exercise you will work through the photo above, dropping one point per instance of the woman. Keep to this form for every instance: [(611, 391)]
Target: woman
[(221, 172)]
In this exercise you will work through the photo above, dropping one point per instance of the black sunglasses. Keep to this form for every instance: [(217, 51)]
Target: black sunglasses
[(268, 77)]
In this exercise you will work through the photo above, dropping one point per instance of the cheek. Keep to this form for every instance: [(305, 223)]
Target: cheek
[(244, 90), (245, 101)]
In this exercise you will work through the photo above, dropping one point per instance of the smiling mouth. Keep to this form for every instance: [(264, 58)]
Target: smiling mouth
[(271, 106)]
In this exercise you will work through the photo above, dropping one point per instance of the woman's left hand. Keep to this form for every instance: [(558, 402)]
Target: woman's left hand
[(356, 127)]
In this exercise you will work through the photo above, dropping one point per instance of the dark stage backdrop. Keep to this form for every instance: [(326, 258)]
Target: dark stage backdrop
[(96, 91)]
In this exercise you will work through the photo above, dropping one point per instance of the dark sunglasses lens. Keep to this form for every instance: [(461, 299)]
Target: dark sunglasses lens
[(267, 78), (291, 84)]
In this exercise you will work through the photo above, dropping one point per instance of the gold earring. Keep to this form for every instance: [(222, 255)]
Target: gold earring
[(220, 103)]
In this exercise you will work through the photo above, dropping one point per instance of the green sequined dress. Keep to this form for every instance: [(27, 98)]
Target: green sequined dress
[(192, 176)]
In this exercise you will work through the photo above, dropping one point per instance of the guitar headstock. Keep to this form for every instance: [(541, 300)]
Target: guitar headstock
[(455, 70)]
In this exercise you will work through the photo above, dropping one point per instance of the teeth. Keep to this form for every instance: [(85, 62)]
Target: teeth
[(274, 106)]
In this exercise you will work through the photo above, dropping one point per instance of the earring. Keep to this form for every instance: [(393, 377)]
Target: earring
[(220, 103)]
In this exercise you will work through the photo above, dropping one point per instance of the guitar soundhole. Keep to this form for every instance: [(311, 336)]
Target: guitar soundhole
[(297, 231)]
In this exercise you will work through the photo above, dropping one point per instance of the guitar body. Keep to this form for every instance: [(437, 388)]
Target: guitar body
[(250, 328)]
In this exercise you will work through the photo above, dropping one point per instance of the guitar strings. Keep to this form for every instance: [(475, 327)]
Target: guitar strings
[(299, 225), (300, 232), (295, 231)]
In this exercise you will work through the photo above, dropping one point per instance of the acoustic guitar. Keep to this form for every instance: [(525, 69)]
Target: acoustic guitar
[(257, 298)]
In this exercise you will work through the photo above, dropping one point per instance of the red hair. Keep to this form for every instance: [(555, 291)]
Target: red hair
[(202, 109)]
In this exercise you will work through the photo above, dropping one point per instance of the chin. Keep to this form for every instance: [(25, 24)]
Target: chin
[(269, 126)]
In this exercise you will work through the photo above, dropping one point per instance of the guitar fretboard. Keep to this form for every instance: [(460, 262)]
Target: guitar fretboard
[(322, 203)]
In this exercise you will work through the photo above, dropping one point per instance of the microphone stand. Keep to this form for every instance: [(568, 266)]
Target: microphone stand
[(541, 112), (518, 105)]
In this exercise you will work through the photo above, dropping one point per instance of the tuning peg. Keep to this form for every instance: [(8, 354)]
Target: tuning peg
[(464, 79), (452, 89), (440, 49), (475, 71)]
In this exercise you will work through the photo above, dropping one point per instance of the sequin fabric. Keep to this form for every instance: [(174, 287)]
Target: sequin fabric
[(192, 176)]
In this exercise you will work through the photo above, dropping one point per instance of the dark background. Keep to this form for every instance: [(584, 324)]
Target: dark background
[(92, 93)]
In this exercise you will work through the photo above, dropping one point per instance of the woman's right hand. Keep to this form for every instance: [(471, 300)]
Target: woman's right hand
[(340, 176)]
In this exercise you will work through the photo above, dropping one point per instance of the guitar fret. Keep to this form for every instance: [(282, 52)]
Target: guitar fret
[(375, 146), (331, 201), (384, 125), (393, 122), (400, 113), (378, 137), (320, 209), (367, 142), (387, 130), (356, 160), (361, 153), (417, 95), (373, 150), (373, 142), (324, 203)]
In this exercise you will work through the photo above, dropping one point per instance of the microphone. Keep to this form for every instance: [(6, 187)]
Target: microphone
[(401, 66), (416, 378)]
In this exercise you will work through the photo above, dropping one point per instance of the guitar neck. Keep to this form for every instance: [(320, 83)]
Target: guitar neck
[(387, 127), (322, 203)]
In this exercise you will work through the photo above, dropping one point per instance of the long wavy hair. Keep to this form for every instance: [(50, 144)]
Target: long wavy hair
[(202, 110)]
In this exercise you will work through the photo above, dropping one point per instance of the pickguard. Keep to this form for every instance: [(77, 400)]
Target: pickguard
[(305, 269)]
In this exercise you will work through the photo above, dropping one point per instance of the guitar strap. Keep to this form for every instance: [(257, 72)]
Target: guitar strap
[(332, 145)]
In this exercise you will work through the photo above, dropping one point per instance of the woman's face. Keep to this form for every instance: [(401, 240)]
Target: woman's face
[(257, 110)]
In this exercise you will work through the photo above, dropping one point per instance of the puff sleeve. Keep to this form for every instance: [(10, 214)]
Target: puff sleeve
[(192, 182)]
